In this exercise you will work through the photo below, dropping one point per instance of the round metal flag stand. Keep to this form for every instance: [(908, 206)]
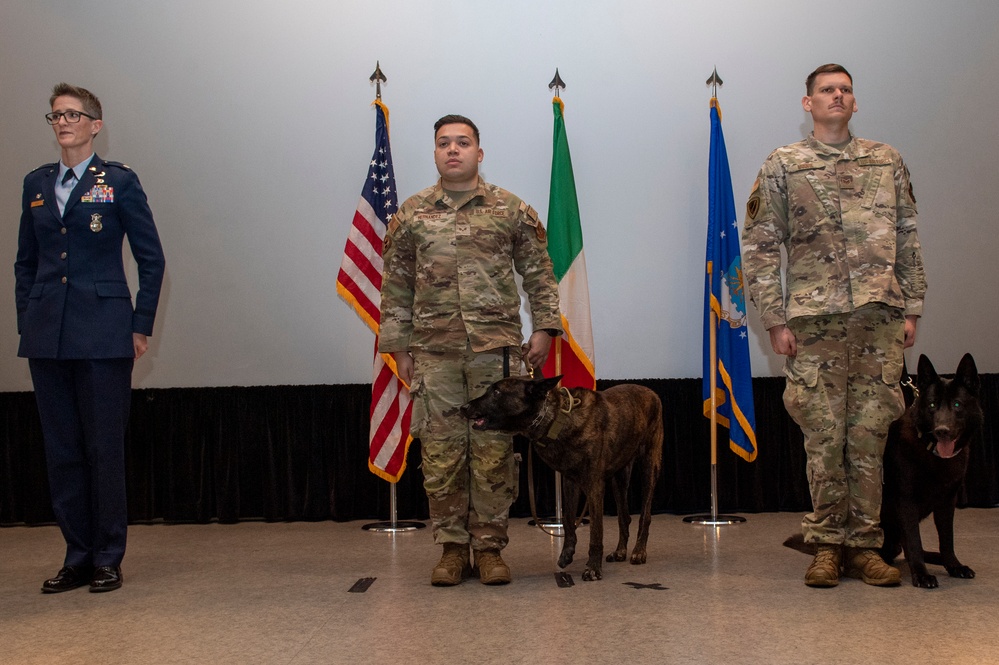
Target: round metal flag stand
[(393, 525), (714, 519), (550, 525)]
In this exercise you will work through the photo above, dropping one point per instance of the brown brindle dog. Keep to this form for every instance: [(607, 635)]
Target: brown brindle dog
[(589, 437)]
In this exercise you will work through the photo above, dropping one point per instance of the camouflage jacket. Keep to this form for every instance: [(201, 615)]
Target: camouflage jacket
[(449, 272), (848, 222)]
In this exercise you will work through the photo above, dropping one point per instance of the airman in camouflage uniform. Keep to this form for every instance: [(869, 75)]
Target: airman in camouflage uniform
[(843, 209), (450, 311)]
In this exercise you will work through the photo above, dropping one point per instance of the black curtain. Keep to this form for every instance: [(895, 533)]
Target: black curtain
[(300, 453)]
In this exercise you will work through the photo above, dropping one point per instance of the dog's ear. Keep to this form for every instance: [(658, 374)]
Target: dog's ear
[(967, 373), (927, 374), (539, 387)]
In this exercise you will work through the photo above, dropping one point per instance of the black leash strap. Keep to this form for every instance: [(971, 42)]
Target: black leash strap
[(909, 390)]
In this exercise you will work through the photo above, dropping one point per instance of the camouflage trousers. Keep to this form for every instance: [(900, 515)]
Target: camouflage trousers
[(470, 476), (843, 391)]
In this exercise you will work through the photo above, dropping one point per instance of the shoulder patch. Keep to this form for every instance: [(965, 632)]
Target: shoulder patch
[(530, 214), (753, 206), (393, 226), (530, 217), (119, 165)]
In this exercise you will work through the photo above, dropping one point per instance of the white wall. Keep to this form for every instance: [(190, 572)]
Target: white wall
[(250, 127)]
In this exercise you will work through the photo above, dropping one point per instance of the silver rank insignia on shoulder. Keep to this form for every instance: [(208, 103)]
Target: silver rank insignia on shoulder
[(95, 223)]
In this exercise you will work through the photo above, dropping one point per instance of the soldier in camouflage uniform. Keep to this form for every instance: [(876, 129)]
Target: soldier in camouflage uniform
[(844, 210), (450, 311)]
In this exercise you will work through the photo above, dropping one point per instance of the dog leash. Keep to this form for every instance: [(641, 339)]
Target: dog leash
[(907, 382), (530, 447), (530, 461), (530, 470)]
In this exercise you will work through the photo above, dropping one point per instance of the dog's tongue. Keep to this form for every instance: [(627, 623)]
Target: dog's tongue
[(945, 448)]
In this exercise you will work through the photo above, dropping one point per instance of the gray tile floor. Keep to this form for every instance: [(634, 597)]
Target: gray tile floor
[(278, 593)]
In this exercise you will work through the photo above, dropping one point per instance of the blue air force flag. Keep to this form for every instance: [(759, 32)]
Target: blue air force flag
[(724, 294)]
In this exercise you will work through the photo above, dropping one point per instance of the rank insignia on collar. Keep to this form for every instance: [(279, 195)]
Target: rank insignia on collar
[(95, 223), (38, 195)]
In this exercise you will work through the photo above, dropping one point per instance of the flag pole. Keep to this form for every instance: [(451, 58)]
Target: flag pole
[(393, 525), (713, 519), (553, 525), (555, 84)]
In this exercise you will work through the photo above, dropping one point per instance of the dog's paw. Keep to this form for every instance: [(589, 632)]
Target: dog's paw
[(590, 574), (617, 555), (566, 558), (638, 558), (924, 580), (961, 571)]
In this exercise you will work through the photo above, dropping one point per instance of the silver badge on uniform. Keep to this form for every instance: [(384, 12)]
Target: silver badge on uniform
[(95, 223)]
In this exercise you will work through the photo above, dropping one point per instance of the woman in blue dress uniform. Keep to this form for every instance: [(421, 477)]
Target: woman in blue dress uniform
[(81, 333)]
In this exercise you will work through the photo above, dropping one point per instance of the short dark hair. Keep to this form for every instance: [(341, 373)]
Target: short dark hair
[(831, 68), (455, 119), (91, 105)]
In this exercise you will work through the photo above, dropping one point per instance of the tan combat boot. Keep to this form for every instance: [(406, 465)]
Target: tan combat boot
[(492, 570), (452, 567), (824, 569), (866, 564)]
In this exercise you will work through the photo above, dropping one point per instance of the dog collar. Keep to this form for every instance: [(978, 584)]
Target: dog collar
[(566, 403), (542, 415)]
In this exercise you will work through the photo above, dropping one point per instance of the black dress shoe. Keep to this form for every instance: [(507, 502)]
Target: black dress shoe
[(106, 578), (69, 577)]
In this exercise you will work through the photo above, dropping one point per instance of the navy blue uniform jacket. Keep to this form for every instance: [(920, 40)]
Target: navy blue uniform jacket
[(72, 298)]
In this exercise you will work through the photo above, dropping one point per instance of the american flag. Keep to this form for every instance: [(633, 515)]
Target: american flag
[(359, 283)]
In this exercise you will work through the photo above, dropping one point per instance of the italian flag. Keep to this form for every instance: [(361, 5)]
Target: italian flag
[(572, 354)]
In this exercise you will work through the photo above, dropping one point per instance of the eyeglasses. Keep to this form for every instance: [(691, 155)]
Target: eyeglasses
[(71, 116)]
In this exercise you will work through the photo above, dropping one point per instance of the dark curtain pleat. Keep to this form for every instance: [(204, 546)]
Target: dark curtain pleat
[(24, 485), (981, 485), (300, 453)]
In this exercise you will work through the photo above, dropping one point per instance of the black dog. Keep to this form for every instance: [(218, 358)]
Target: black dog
[(925, 463), (589, 437)]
